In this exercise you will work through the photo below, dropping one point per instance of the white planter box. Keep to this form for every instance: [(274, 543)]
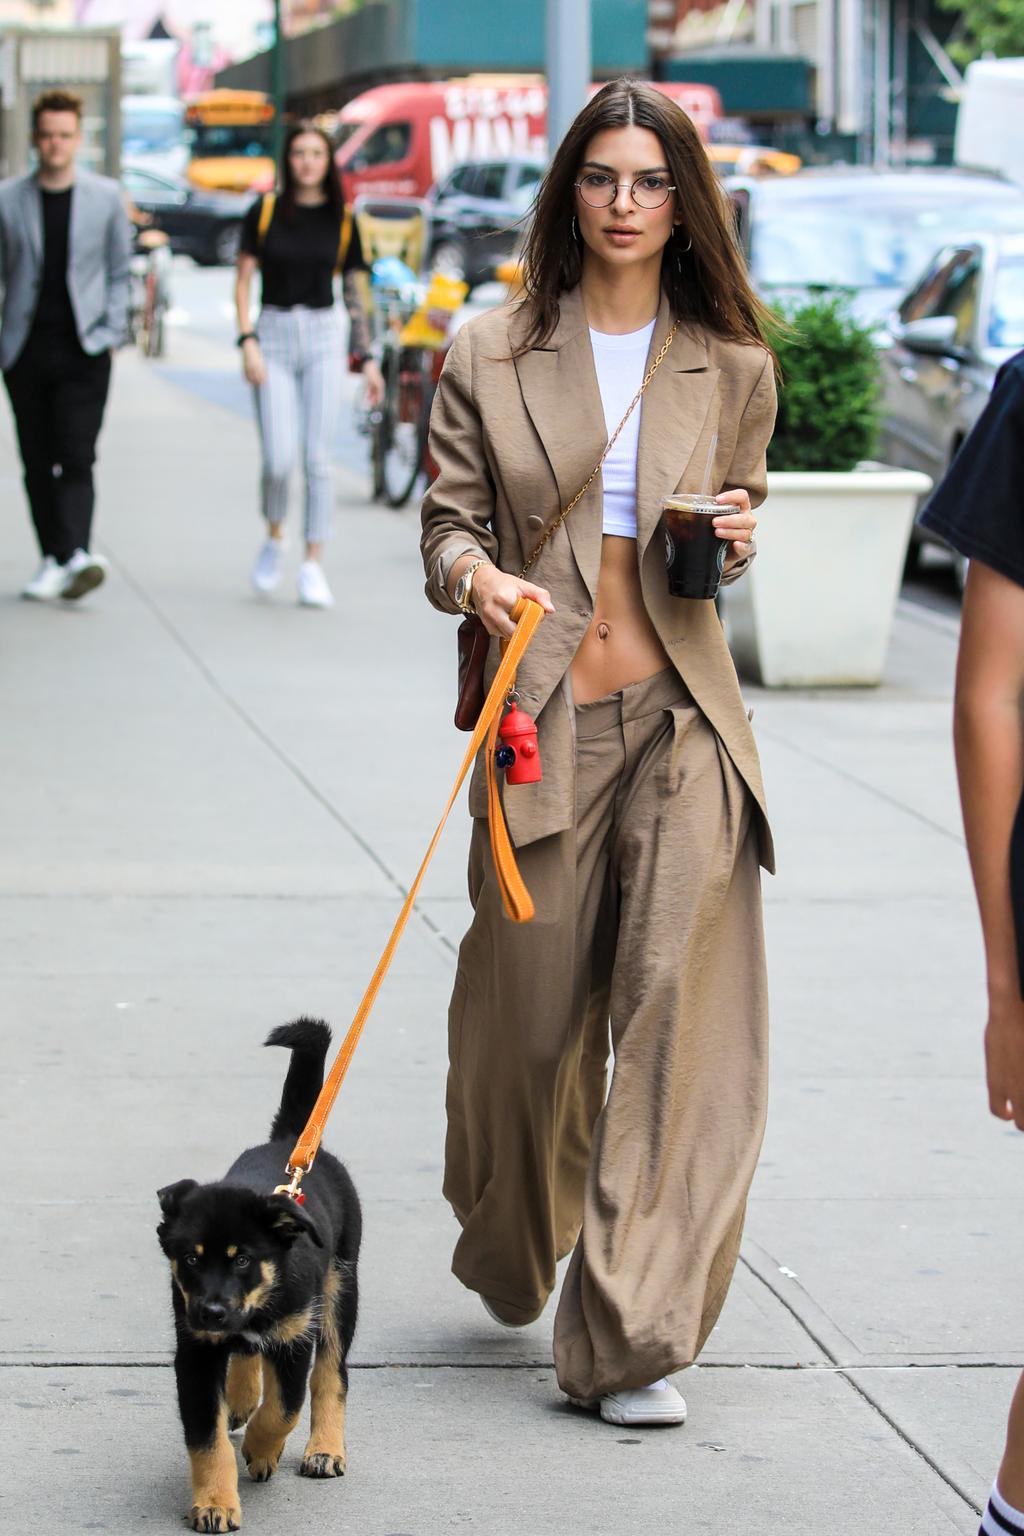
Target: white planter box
[(815, 609)]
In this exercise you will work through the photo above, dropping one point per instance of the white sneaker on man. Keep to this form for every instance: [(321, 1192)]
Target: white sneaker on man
[(47, 581), (82, 574), (659, 1403), (313, 589), (266, 573)]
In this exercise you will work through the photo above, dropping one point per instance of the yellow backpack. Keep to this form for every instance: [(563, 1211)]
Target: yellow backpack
[(267, 213)]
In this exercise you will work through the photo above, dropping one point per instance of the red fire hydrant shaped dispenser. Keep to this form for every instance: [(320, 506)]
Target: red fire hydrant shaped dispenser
[(519, 753)]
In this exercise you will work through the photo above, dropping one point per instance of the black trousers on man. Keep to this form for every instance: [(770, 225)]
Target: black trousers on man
[(58, 393)]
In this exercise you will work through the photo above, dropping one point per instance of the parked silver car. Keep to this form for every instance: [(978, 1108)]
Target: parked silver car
[(943, 347), (863, 231)]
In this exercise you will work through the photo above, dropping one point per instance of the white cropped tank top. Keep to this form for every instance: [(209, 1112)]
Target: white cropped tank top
[(620, 363)]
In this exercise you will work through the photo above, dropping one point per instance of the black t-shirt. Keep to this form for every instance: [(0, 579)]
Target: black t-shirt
[(54, 318), (978, 508), (299, 254)]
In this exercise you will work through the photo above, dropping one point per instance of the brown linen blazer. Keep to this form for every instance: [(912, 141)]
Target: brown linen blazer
[(514, 438)]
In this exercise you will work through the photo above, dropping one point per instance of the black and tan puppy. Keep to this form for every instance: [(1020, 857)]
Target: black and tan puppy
[(258, 1281)]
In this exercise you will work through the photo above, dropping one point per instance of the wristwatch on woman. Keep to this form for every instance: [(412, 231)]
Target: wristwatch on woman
[(463, 594)]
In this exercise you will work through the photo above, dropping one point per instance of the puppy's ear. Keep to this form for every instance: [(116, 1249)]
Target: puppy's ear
[(172, 1195), (288, 1220)]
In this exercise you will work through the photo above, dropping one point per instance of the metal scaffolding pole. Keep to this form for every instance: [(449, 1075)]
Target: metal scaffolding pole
[(568, 63), (278, 87), (882, 84)]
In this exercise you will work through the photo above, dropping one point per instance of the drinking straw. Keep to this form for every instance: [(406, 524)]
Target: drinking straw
[(712, 450)]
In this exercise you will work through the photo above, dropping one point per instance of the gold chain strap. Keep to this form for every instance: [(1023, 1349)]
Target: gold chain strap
[(560, 519)]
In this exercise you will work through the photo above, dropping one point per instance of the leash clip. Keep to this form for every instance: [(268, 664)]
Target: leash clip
[(292, 1189)]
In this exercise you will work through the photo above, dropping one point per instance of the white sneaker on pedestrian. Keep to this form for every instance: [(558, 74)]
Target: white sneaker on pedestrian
[(506, 1322), (313, 589), (47, 581), (82, 574), (266, 573), (659, 1403)]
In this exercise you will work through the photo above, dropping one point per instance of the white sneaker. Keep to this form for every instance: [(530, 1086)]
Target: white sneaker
[(491, 1313), (82, 573), (47, 581), (659, 1403), (313, 589), (266, 573)]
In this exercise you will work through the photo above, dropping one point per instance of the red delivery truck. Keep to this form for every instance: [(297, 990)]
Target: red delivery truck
[(397, 140)]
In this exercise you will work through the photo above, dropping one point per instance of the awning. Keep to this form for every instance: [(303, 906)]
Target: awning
[(750, 83)]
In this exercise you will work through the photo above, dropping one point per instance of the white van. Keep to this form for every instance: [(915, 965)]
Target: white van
[(990, 123)]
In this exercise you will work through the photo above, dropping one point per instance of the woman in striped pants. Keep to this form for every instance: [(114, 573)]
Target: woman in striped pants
[(295, 359)]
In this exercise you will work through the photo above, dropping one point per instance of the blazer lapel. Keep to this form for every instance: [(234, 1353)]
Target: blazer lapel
[(31, 201), (674, 413), (561, 394)]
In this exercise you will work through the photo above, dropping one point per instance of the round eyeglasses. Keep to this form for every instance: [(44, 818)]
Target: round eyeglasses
[(599, 190)]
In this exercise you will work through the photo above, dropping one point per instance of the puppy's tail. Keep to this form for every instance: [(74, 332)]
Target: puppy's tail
[(307, 1039)]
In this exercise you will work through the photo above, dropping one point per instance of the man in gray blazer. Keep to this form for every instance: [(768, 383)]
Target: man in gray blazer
[(65, 248)]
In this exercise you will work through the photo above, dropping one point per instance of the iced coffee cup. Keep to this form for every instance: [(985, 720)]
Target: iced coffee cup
[(694, 554)]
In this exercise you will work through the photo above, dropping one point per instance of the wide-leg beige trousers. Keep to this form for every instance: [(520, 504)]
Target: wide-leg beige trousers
[(648, 917)]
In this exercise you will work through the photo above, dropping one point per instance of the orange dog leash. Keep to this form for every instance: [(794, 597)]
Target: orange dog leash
[(516, 898)]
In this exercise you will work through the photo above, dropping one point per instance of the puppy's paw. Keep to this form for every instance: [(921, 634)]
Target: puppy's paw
[(261, 1468), (237, 1421), (322, 1464), (215, 1517)]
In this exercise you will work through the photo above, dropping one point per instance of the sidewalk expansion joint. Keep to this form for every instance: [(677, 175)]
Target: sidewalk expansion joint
[(864, 784), (776, 1367), (276, 750), (912, 1444), (844, 1371)]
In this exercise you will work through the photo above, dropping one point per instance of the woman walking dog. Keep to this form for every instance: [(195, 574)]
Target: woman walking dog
[(641, 845), (295, 357)]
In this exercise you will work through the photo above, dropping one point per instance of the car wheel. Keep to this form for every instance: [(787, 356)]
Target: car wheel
[(449, 259), (226, 245)]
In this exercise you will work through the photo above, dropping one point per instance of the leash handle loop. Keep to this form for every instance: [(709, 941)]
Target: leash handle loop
[(527, 615)]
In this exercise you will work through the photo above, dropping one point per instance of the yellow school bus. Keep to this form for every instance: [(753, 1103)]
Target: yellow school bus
[(229, 136)]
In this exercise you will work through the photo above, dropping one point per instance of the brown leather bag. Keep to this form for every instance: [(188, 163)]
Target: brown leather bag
[(473, 639)]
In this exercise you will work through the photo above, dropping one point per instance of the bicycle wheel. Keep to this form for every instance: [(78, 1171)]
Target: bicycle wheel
[(403, 447)]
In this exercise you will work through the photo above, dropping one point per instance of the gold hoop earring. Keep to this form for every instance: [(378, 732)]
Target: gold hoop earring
[(575, 228), (685, 249)]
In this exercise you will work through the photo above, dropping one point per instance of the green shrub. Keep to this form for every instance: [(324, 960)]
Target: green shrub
[(829, 399)]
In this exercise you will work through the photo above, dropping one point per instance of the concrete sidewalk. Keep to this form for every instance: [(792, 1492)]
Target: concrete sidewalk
[(208, 809)]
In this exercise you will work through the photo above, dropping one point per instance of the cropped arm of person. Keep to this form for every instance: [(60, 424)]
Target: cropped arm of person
[(253, 366), (746, 480), (459, 506), (360, 339), (989, 741)]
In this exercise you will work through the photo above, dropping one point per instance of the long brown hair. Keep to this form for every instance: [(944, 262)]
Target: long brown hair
[(331, 184), (705, 281)]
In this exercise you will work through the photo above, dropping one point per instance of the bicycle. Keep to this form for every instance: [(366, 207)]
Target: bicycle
[(413, 328)]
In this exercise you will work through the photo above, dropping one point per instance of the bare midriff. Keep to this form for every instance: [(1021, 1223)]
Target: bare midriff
[(621, 645)]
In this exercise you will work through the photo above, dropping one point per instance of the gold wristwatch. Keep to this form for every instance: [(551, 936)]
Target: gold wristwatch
[(463, 594)]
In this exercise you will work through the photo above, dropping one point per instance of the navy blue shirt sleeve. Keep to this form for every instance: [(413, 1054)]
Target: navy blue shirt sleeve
[(978, 507)]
